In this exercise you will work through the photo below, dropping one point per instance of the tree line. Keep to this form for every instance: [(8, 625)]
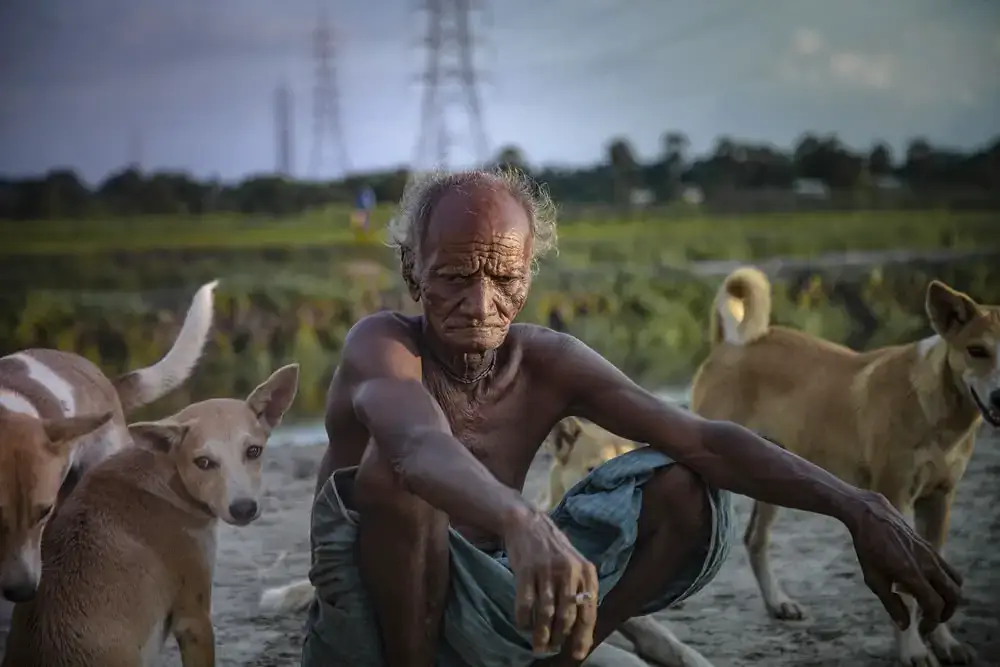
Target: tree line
[(734, 171)]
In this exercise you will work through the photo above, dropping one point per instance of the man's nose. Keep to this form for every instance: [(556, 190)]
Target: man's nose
[(478, 299), (995, 399)]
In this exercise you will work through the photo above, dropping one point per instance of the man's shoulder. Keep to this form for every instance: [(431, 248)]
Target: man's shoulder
[(383, 324), (541, 344)]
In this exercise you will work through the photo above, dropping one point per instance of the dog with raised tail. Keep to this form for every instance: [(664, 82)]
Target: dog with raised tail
[(133, 547), (60, 416), (898, 420)]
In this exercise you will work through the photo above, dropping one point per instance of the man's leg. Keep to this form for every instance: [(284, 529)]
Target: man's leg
[(674, 522), (403, 562)]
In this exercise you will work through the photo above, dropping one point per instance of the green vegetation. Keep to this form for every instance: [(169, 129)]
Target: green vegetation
[(678, 233), (115, 291)]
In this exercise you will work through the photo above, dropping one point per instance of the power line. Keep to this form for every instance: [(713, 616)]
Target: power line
[(449, 76), (283, 129), (326, 101)]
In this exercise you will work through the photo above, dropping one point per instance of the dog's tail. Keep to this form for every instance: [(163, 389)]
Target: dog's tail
[(145, 385), (293, 597), (741, 312)]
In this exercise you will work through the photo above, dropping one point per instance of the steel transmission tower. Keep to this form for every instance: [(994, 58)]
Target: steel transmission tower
[(283, 129), (326, 102), (449, 77)]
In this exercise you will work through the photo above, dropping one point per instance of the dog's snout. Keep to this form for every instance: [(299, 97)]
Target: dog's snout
[(995, 399), (243, 509), (23, 591)]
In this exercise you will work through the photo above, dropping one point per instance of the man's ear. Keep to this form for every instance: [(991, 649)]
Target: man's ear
[(949, 310), (64, 431), (272, 398), (563, 437), (161, 436), (408, 267)]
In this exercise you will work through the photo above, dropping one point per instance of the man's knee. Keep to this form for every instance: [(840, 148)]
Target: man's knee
[(380, 494), (676, 497)]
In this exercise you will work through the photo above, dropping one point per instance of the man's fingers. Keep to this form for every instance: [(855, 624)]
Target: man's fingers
[(566, 608), (524, 605), (893, 604), (948, 588), (582, 637), (545, 611)]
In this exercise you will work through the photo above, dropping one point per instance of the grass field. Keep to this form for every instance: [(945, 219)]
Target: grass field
[(679, 236)]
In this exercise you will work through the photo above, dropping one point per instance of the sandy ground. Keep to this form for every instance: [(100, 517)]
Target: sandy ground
[(726, 622)]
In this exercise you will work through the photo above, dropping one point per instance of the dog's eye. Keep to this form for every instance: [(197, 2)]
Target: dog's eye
[(44, 513), (978, 352), (254, 451), (204, 463)]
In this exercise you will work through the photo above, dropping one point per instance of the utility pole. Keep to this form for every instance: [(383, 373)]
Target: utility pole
[(326, 101), (283, 129), (449, 77)]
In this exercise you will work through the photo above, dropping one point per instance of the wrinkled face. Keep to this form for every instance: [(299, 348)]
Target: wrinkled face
[(580, 447), (217, 445), (34, 459), (972, 335), (475, 267)]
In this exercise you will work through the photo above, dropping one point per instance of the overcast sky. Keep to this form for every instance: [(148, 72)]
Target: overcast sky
[(189, 84)]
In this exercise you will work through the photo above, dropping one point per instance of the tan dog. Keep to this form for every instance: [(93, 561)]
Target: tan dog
[(577, 448), (133, 548), (899, 420), (59, 416)]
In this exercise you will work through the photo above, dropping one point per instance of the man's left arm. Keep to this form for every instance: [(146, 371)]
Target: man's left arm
[(724, 454)]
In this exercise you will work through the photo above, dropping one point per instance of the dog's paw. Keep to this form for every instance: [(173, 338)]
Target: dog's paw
[(914, 653), (947, 649), (786, 609)]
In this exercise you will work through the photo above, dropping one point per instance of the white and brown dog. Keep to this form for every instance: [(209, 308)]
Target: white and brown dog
[(134, 545), (899, 420), (59, 416)]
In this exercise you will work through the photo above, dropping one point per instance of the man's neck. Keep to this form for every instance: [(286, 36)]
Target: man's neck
[(465, 367)]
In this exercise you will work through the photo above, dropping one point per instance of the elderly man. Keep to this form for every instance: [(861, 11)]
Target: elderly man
[(426, 554)]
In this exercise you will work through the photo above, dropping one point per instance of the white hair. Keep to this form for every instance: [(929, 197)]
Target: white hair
[(407, 229)]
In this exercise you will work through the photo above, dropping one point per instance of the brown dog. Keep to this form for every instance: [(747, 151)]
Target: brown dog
[(59, 416), (899, 420), (131, 553)]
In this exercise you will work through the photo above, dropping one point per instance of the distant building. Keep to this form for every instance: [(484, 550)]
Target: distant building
[(811, 187), (641, 197)]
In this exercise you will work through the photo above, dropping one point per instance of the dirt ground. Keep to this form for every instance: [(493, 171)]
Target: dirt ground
[(726, 622)]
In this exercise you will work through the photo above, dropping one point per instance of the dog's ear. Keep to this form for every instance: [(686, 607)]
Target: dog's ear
[(161, 436), (274, 396), (563, 437), (949, 310), (64, 431)]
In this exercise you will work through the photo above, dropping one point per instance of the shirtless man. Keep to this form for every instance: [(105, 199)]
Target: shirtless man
[(426, 554)]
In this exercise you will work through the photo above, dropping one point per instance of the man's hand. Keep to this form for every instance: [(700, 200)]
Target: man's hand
[(893, 557), (550, 573)]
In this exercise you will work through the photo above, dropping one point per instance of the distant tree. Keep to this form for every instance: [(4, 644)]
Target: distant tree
[(675, 146), (624, 169), (512, 156), (880, 159)]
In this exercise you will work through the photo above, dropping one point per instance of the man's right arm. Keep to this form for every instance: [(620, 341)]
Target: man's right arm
[(381, 369)]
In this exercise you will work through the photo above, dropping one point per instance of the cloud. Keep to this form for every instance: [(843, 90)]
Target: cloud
[(807, 42), (810, 62)]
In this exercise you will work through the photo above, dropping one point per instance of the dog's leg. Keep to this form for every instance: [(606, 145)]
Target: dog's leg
[(195, 639), (757, 540), (608, 655), (192, 627), (654, 642), (931, 516)]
